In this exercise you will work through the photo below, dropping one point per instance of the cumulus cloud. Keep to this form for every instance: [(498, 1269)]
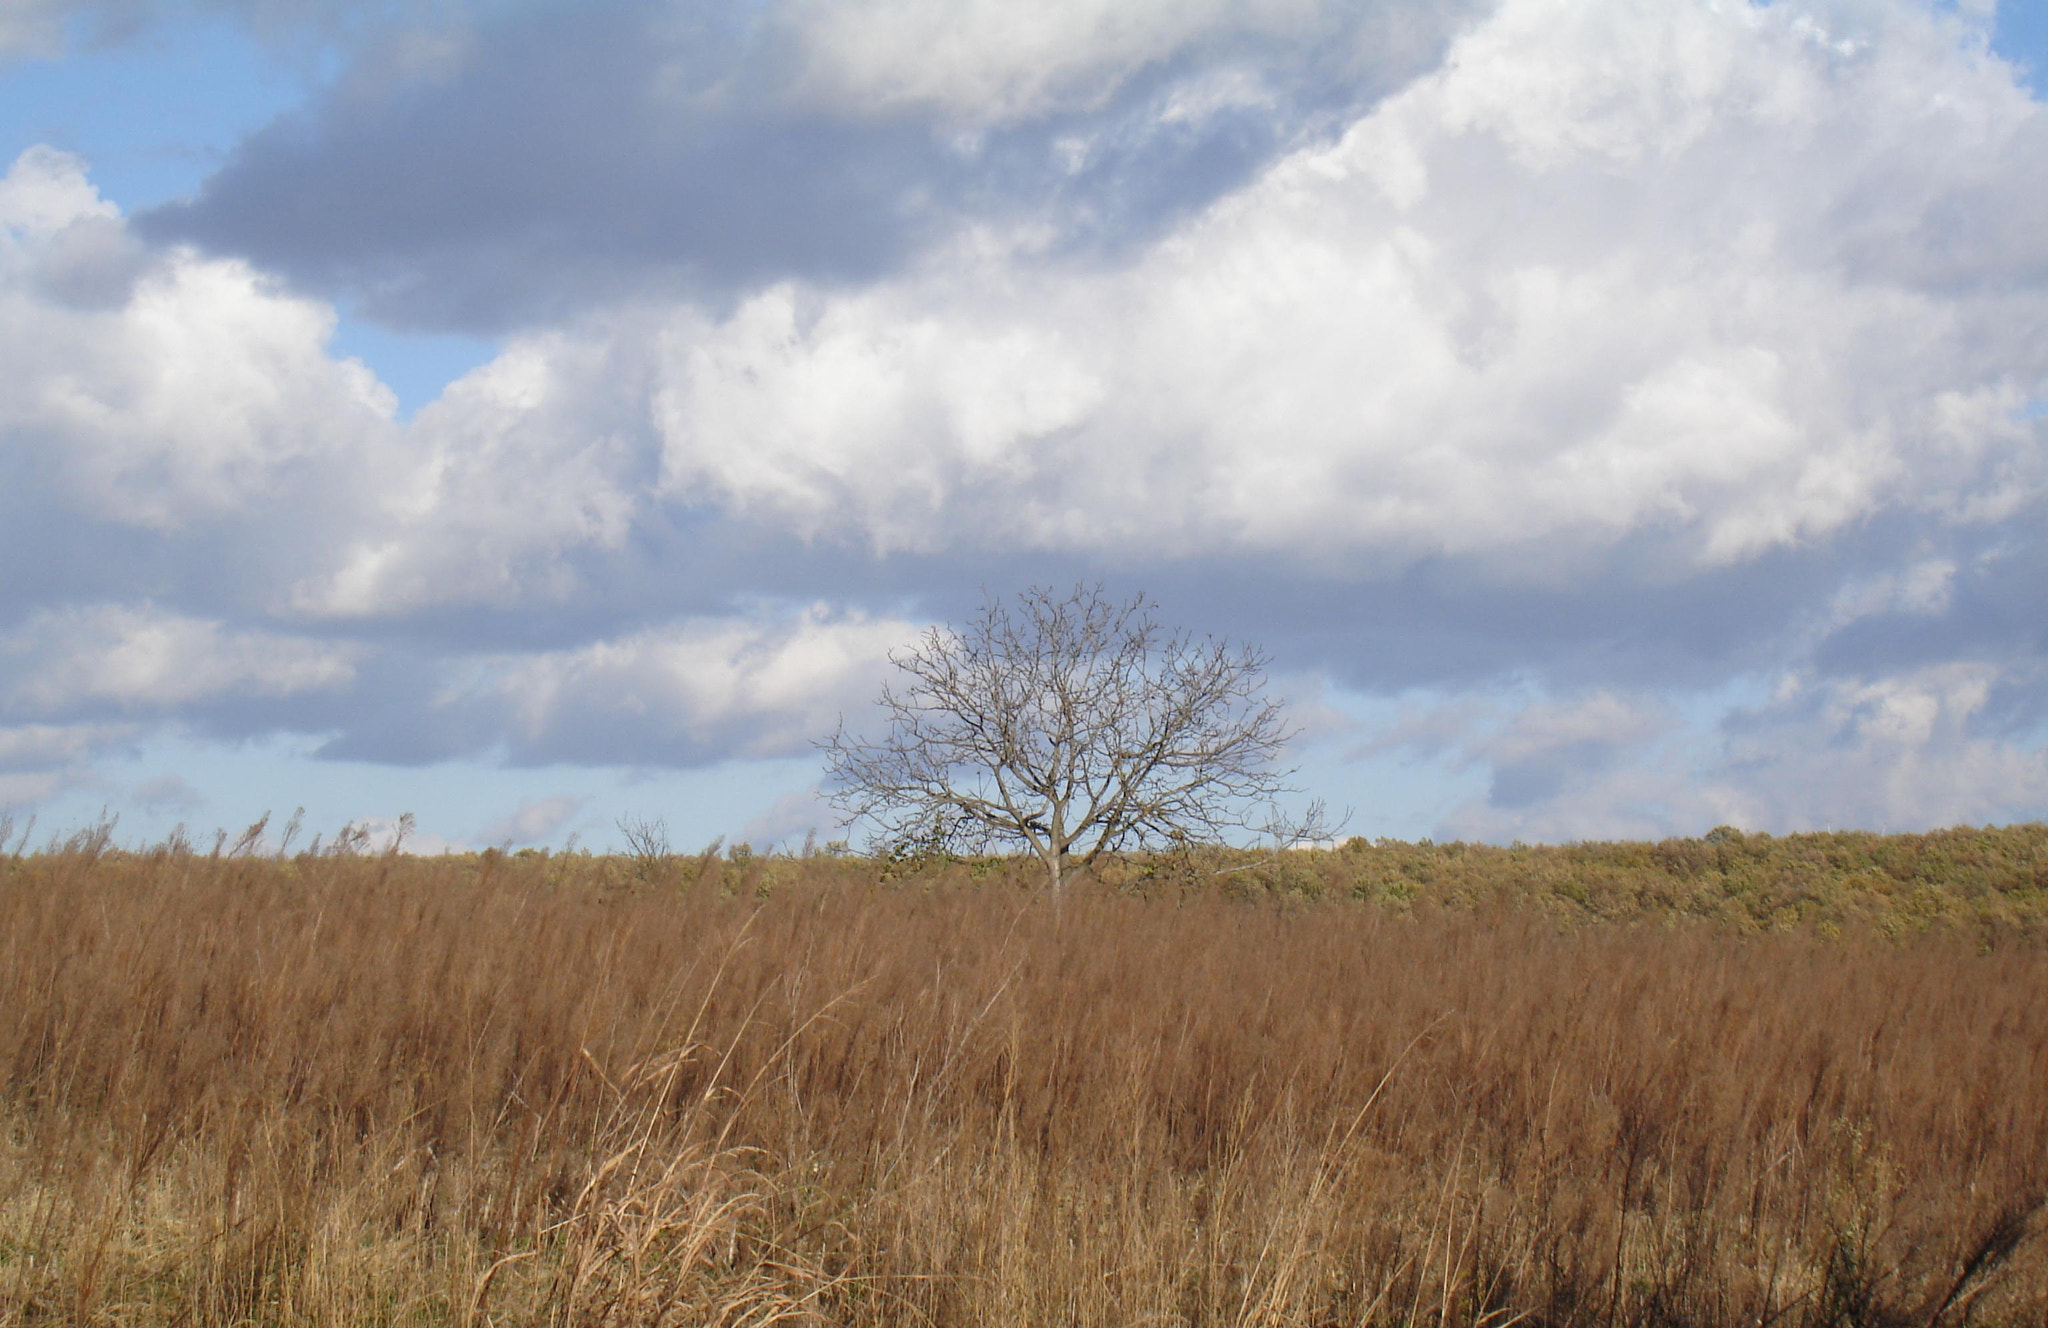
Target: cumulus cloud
[(1547, 745), (531, 822), (863, 409), (158, 389), (687, 692), (1621, 357), (144, 658), (388, 833), (197, 404), (198, 428), (1663, 273), (518, 464), (1541, 756), (1603, 274), (1890, 752)]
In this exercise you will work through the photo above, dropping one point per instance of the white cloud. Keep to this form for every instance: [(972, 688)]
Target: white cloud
[(1619, 270), (531, 822), (1618, 290), (28, 746), (28, 788), (201, 391), (1896, 752), (868, 407), (1889, 752), (41, 761), (991, 60), (168, 793), (519, 463), (1543, 754), (1629, 271), (189, 394), (142, 657), (42, 194), (164, 389), (386, 832), (790, 819), (748, 686), (1600, 720), (1924, 588)]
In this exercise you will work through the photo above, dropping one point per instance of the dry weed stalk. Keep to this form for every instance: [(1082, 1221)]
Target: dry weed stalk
[(373, 1089)]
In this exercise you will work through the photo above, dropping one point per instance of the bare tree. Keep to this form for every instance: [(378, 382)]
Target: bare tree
[(1070, 726), (646, 843)]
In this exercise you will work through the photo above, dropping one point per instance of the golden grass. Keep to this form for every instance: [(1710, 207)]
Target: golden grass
[(384, 1090)]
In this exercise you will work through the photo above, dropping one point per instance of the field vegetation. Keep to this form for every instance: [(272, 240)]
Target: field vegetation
[(1737, 1080)]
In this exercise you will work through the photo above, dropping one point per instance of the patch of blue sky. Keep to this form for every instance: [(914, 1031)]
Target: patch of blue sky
[(1703, 711), (1391, 794), (206, 786), (153, 115), (1410, 793), (2020, 34), (415, 366)]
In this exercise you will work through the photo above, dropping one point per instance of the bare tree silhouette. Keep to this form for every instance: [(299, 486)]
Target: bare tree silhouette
[(1070, 726)]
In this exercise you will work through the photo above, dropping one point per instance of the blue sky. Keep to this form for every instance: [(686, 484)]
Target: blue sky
[(1615, 420)]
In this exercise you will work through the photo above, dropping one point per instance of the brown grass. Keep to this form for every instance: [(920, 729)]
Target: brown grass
[(369, 1090)]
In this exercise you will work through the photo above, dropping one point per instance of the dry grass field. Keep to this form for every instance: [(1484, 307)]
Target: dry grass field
[(1735, 1081)]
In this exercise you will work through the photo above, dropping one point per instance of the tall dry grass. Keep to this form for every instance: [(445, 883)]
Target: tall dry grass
[(379, 1090)]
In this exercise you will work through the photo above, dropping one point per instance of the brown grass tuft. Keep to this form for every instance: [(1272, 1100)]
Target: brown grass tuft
[(522, 1089)]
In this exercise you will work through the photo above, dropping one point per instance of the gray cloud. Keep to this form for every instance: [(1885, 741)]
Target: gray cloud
[(33, 27), (550, 171), (1669, 425), (41, 761), (522, 167), (47, 28), (168, 793)]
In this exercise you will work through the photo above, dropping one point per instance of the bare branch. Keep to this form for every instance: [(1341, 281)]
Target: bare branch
[(1069, 726)]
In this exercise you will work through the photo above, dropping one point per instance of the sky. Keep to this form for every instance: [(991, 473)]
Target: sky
[(1613, 420)]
